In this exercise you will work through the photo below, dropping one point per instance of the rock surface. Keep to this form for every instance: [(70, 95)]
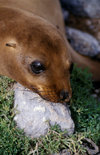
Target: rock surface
[(82, 42), (85, 8), (63, 152), (35, 115), (65, 14)]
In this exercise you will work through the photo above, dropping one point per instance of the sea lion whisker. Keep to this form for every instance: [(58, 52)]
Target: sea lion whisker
[(37, 91), (46, 91), (45, 96), (25, 90)]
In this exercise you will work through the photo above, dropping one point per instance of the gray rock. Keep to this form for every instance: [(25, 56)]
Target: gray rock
[(82, 42), (97, 91), (35, 115), (63, 152), (94, 95), (65, 14), (85, 8)]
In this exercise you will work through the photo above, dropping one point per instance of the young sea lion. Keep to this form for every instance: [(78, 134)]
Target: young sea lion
[(34, 50)]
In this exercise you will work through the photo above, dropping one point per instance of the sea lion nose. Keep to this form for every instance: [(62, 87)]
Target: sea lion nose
[(64, 95)]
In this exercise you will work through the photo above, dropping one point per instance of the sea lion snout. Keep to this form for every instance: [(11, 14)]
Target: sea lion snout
[(64, 95), (51, 82), (52, 95)]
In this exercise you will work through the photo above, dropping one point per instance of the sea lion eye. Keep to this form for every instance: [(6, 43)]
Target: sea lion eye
[(37, 67), (11, 45)]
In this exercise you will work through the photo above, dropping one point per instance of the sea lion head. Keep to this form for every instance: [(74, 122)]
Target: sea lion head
[(35, 54)]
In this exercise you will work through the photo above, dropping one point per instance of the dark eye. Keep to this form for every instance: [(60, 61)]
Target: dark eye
[(37, 67), (71, 68)]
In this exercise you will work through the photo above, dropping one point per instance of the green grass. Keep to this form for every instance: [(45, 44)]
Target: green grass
[(85, 108), (85, 112)]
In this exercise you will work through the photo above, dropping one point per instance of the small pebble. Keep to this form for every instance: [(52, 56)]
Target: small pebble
[(97, 91), (94, 95)]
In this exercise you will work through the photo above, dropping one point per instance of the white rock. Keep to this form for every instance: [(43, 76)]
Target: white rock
[(35, 115)]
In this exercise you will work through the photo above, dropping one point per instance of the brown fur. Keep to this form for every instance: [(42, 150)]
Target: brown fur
[(34, 30)]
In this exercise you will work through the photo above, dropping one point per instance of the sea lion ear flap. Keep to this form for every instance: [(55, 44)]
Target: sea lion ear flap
[(11, 44)]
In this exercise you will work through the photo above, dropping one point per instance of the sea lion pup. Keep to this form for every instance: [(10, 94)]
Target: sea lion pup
[(33, 47)]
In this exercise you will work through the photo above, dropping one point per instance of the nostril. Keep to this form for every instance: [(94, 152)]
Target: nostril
[(64, 95)]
